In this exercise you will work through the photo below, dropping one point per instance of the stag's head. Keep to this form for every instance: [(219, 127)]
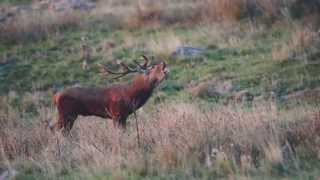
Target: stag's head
[(156, 73), (153, 73)]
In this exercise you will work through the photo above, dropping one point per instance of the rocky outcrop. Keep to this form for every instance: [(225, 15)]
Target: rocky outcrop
[(187, 52), (62, 5)]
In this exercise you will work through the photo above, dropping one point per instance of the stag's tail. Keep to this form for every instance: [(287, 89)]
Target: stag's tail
[(55, 98)]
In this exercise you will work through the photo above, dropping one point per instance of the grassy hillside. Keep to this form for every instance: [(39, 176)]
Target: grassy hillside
[(281, 58), (260, 62), (247, 106)]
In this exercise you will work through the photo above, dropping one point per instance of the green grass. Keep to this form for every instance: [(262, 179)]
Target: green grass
[(16, 2), (172, 174), (249, 66)]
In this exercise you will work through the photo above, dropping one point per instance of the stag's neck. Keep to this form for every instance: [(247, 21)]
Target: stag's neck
[(140, 91)]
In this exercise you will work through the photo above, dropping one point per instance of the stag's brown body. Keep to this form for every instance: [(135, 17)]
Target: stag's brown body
[(116, 102)]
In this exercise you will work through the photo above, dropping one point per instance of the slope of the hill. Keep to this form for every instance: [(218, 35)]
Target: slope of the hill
[(241, 100)]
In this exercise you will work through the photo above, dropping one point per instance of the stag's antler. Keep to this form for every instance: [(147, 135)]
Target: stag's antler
[(106, 71), (127, 70), (145, 64)]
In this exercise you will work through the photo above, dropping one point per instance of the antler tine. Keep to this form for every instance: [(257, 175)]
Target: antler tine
[(146, 61), (105, 70), (127, 68), (143, 66), (139, 65), (126, 71)]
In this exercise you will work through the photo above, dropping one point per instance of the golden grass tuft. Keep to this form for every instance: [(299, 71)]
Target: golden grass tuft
[(225, 10), (173, 136), (147, 13), (164, 44), (302, 40), (35, 25), (270, 8), (281, 52)]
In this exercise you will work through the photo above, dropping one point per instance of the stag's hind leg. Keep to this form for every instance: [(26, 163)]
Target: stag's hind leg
[(65, 123), (67, 108), (58, 124), (68, 123)]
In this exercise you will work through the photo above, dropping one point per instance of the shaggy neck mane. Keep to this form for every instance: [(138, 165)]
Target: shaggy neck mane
[(139, 91)]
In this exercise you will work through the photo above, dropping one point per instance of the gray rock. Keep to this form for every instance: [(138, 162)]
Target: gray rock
[(8, 174), (187, 51), (82, 4), (62, 5), (3, 18), (23, 8)]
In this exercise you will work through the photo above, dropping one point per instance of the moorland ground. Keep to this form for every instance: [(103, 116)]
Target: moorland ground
[(246, 107)]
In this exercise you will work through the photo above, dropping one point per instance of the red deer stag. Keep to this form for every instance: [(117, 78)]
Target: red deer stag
[(116, 102)]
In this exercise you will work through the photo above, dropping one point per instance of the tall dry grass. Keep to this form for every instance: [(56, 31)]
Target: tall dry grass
[(226, 10), (303, 40), (145, 13), (38, 24), (164, 44), (187, 137)]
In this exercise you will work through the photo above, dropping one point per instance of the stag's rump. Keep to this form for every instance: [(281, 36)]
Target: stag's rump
[(81, 101)]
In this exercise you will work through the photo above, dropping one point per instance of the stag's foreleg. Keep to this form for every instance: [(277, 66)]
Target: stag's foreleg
[(118, 112)]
